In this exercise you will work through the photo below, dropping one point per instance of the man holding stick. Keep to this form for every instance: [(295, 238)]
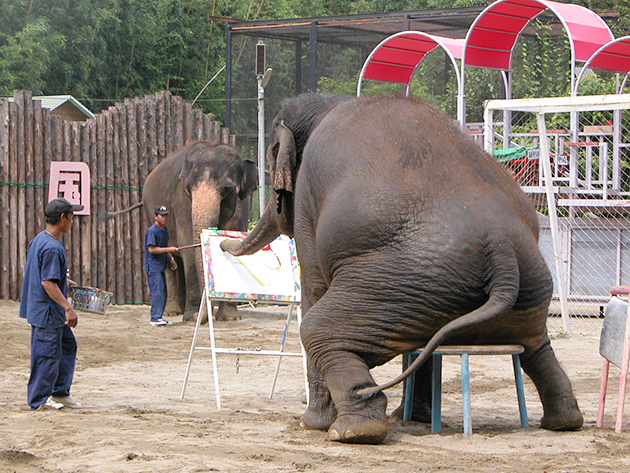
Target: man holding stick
[(157, 254)]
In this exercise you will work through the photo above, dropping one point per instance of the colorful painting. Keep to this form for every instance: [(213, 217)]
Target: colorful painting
[(272, 274)]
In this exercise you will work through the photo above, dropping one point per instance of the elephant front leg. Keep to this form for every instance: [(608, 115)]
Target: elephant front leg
[(173, 302), (193, 293), (560, 407)]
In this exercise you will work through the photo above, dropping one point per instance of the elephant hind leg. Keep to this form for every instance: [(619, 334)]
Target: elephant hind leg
[(421, 404), (560, 407), (321, 411)]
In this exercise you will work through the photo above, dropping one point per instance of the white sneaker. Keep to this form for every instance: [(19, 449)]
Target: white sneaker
[(51, 404), (66, 401), (157, 322)]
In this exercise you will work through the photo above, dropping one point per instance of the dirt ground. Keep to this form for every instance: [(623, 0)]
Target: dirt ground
[(130, 377)]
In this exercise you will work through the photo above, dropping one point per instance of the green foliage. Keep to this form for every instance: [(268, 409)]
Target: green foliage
[(26, 57), (108, 50)]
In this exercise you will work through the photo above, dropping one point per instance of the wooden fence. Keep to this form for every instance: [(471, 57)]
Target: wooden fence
[(120, 146)]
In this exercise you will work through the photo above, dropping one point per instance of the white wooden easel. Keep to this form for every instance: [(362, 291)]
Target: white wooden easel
[(206, 306)]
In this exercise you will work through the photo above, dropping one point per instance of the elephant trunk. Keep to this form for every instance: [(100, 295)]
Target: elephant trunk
[(206, 209), (265, 231)]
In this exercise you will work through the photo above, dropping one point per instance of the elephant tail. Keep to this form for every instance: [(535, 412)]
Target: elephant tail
[(107, 215), (504, 289)]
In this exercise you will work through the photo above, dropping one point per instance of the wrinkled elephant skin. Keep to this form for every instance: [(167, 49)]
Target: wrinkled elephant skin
[(204, 184), (407, 234)]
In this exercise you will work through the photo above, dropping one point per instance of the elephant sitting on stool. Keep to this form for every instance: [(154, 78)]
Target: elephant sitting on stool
[(205, 184), (407, 234)]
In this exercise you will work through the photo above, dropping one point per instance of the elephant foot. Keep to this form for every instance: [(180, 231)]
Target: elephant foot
[(189, 316), (227, 311), (367, 424), (172, 313), (565, 415), (318, 419), (421, 413)]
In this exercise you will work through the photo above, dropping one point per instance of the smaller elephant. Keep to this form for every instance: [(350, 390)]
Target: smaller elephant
[(204, 184)]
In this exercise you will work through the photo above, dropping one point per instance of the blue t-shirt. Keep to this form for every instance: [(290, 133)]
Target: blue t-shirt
[(46, 261), (157, 237)]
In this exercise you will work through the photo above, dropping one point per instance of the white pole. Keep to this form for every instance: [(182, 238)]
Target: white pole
[(553, 220), (261, 145)]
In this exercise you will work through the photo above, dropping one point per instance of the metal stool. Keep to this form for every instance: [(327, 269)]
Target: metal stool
[(436, 390)]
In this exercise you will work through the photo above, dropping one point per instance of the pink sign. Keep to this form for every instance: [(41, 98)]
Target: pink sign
[(70, 180)]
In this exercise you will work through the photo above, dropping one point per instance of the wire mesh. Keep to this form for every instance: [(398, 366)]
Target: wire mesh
[(590, 167)]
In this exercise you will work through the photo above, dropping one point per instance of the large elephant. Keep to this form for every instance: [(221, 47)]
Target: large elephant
[(407, 234), (204, 184)]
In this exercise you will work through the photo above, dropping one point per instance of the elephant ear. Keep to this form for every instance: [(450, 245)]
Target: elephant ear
[(249, 181), (286, 164)]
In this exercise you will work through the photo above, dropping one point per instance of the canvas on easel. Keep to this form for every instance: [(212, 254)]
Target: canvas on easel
[(272, 275)]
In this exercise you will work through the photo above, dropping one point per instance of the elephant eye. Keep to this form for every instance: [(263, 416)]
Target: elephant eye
[(227, 192)]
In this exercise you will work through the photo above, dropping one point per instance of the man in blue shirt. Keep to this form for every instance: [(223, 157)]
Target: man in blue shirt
[(44, 304), (157, 254)]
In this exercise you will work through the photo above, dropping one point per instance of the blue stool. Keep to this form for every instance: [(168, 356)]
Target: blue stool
[(436, 383)]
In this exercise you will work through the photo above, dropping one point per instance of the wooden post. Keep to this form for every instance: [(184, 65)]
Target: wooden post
[(126, 249), (138, 217), (151, 148), (111, 227), (29, 174), (4, 198), (86, 221), (94, 201), (13, 201), (21, 194), (162, 124), (40, 192), (103, 227)]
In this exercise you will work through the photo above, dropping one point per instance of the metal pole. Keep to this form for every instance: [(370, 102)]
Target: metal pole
[(261, 145), (553, 220)]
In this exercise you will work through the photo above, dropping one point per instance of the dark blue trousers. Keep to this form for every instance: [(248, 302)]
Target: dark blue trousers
[(53, 358), (157, 286)]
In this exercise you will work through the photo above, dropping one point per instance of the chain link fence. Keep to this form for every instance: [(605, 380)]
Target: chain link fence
[(589, 153)]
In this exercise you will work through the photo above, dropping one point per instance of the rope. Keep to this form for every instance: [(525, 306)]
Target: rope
[(46, 185)]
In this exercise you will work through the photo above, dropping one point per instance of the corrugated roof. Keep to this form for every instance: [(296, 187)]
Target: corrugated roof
[(53, 102)]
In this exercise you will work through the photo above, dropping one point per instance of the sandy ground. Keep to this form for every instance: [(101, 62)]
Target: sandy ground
[(130, 376)]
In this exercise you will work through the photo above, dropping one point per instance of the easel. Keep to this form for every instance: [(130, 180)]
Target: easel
[(206, 306)]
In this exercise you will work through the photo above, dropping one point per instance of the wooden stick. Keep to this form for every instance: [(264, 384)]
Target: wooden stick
[(188, 246)]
